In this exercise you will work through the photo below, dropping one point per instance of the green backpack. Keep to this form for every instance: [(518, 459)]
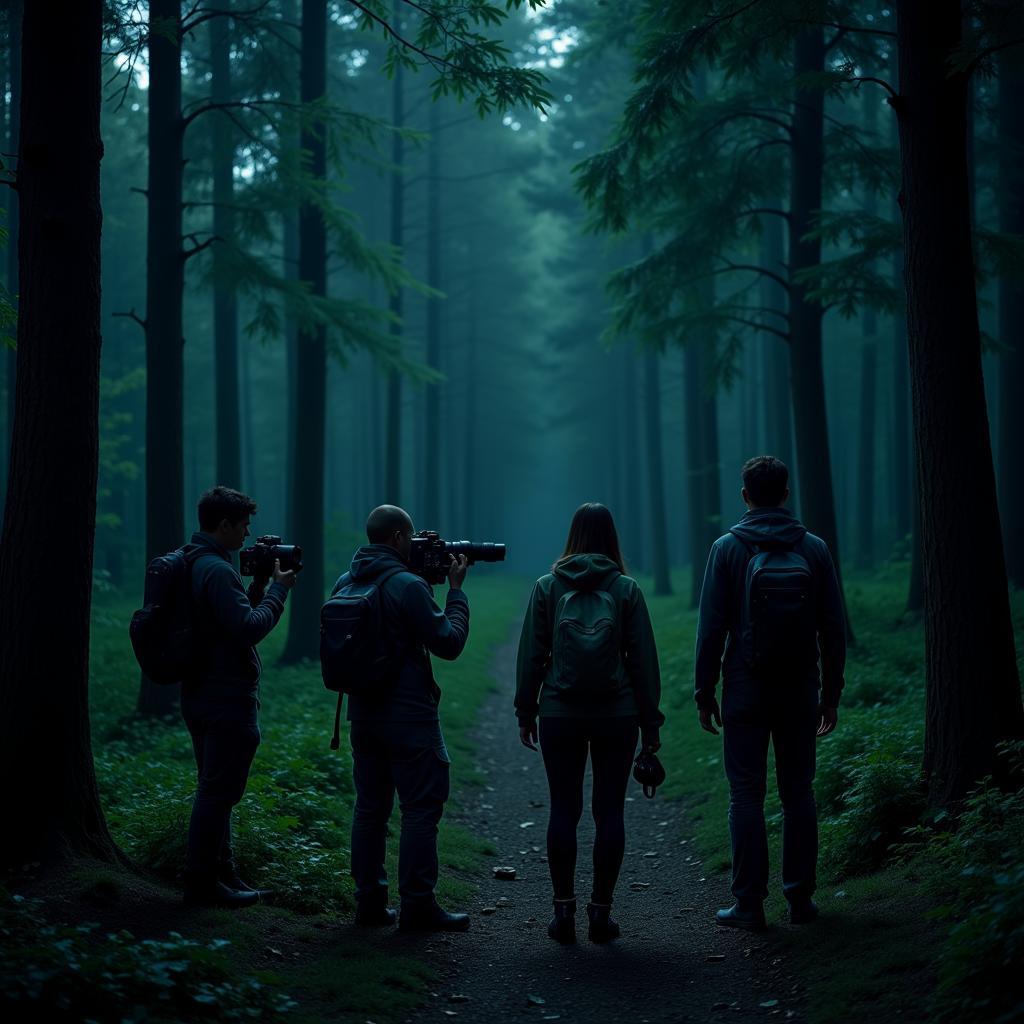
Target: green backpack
[(586, 648)]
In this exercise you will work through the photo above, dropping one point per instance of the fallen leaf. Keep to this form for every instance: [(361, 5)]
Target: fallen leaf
[(526, 824)]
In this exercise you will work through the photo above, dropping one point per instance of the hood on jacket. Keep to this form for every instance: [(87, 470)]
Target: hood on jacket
[(585, 572), (769, 526), (371, 560)]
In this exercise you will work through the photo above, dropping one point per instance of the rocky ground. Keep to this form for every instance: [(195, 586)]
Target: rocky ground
[(672, 962)]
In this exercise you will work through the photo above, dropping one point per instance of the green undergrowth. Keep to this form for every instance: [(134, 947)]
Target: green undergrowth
[(291, 835), (921, 916)]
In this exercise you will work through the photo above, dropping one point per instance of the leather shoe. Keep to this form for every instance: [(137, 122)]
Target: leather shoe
[(748, 920), (432, 919), (375, 916), (803, 912), (218, 895)]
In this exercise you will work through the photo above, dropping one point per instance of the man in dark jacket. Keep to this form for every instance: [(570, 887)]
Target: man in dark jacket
[(220, 703), (780, 704), (396, 738)]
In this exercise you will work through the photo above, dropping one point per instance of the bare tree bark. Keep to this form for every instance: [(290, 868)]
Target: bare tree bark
[(45, 746), (972, 689)]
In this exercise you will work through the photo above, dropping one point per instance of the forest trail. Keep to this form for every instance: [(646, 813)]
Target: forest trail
[(672, 963)]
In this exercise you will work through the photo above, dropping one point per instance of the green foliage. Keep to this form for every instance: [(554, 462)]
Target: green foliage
[(74, 973), (448, 40)]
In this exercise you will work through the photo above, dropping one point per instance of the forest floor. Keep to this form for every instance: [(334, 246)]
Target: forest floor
[(879, 949)]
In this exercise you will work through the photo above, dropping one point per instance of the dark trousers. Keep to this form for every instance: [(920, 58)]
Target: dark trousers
[(409, 758), (225, 734), (754, 712), (565, 744)]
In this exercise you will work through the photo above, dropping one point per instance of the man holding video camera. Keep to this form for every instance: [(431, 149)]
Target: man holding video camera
[(220, 701), (396, 738)]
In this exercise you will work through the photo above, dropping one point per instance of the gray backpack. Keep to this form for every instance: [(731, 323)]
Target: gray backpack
[(586, 642)]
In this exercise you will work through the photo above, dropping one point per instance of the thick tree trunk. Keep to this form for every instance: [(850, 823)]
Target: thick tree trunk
[(432, 462), (393, 428), (307, 498), (810, 421), (225, 301), (972, 691), (656, 473), (53, 806), (165, 283), (15, 13), (1011, 312), (290, 252)]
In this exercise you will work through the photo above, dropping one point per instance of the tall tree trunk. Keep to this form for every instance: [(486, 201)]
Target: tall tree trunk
[(307, 498), (290, 252), (817, 500), (45, 744), (972, 690), (778, 402), (902, 471), (15, 13), (225, 301), (866, 447), (700, 424), (656, 473), (432, 462), (393, 445), (470, 479), (165, 284), (631, 520), (1011, 311)]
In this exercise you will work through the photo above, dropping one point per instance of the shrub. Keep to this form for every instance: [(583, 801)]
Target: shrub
[(62, 973)]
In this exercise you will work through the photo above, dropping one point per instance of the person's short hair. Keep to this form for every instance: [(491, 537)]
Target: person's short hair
[(766, 479), (385, 521), (221, 503)]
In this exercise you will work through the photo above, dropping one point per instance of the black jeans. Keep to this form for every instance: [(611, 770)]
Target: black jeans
[(225, 734), (565, 743), (409, 758), (755, 711)]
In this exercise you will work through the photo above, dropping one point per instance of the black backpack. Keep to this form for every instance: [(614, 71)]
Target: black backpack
[(586, 645), (778, 607), (162, 631), (354, 655)]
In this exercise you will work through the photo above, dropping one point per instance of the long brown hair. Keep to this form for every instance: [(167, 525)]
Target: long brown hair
[(592, 532)]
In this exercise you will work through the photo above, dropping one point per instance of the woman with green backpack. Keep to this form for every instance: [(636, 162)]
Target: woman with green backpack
[(588, 667)]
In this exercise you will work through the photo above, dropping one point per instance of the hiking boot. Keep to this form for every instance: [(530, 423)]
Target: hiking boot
[(602, 927), (431, 918), (803, 912), (563, 925), (218, 895), (748, 920)]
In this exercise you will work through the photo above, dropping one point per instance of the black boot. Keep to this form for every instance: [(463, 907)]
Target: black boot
[(431, 918), (216, 894), (803, 911), (563, 924), (602, 927), (374, 912)]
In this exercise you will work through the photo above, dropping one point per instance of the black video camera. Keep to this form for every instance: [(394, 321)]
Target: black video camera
[(259, 559), (429, 557)]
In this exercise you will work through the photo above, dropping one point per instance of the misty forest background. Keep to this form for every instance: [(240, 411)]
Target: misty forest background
[(487, 261)]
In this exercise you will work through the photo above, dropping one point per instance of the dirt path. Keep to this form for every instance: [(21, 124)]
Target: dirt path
[(672, 962)]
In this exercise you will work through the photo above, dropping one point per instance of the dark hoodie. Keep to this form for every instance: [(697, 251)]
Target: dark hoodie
[(720, 625), (414, 622), (230, 621), (639, 690)]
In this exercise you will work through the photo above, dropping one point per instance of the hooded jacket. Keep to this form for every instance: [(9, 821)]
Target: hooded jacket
[(412, 621), (720, 625), (230, 621), (639, 689)]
